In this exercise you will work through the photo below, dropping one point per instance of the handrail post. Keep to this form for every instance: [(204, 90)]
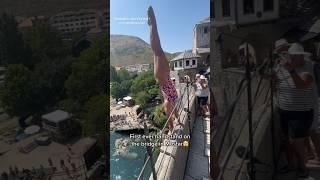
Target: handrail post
[(149, 148), (272, 117), (188, 106), (248, 76)]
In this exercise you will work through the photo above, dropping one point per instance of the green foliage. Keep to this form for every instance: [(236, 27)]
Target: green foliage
[(116, 91), (143, 82), (17, 93), (45, 41), (142, 98), (113, 74), (48, 80), (95, 117), (13, 50), (89, 74), (154, 91), (159, 119), (123, 75)]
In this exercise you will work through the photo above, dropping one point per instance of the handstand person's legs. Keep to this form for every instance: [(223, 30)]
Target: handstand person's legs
[(167, 109), (161, 65)]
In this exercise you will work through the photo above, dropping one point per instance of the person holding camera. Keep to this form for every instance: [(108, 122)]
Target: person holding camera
[(295, 91)]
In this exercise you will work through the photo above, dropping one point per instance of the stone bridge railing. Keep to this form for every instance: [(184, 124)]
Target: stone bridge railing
[(237, 134), (172, 160)]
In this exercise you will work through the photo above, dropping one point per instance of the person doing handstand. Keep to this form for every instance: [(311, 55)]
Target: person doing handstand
[(162, 72)]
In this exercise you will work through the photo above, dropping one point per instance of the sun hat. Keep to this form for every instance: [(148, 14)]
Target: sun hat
[(202, 77), (281, 43), (297, 49)]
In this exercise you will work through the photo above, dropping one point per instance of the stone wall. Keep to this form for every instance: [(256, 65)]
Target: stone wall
[(238, 130)]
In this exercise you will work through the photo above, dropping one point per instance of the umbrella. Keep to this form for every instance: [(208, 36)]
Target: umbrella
[(32, 129)]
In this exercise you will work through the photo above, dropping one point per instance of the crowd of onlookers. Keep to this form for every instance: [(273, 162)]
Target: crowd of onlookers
[(121, 119)]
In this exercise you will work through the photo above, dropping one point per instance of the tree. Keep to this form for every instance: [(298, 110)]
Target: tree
[(142, 98), (159, 119), (123, 75), (125, 86), (113, 74), (17, 93), (88, 76), (94, 123), (13, 50), (143, 82), (116, 91), (154, 91), (48, 80), (45, 41)]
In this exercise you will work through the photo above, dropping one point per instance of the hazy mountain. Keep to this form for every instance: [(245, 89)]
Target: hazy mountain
[(126, 50)]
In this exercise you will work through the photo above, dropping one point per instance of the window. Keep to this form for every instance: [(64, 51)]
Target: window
[(226, 8), (193, 62), (180, 63), (268, 5), (248, 6), (205, 30), (187, 63), (176, 64)]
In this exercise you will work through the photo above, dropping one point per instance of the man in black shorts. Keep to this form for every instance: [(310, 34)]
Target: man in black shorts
[(296, 103)]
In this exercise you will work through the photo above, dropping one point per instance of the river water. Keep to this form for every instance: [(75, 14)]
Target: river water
[(128, 166)]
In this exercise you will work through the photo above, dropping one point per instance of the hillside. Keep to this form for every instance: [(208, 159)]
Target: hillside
[(47, 7), (126, 50)]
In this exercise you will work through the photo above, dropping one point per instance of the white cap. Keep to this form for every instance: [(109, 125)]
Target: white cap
[(281, 43), (202, 77), (197, 75)]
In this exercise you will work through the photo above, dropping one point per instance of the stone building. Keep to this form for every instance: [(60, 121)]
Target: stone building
[(81, 20), (60, 125), (196, 60)]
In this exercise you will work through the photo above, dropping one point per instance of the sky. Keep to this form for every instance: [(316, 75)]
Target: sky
[(175, 18)]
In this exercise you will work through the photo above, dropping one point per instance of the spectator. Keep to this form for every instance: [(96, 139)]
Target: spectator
[(296, 103), (203, 94)]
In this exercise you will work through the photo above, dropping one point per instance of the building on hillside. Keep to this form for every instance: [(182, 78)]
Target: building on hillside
[(137, 68), (75, 21), (185, 63), (27, 22), (84, 20)]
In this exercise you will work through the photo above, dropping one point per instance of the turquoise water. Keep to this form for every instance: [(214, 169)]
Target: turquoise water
[(126, 167)]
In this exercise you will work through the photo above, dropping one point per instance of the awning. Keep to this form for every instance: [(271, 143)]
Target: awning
[(304, 33)]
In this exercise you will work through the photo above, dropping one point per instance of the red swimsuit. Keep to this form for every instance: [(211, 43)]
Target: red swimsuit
[(169, 91)]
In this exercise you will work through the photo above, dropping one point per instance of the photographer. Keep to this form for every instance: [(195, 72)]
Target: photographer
[(295, 103)]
